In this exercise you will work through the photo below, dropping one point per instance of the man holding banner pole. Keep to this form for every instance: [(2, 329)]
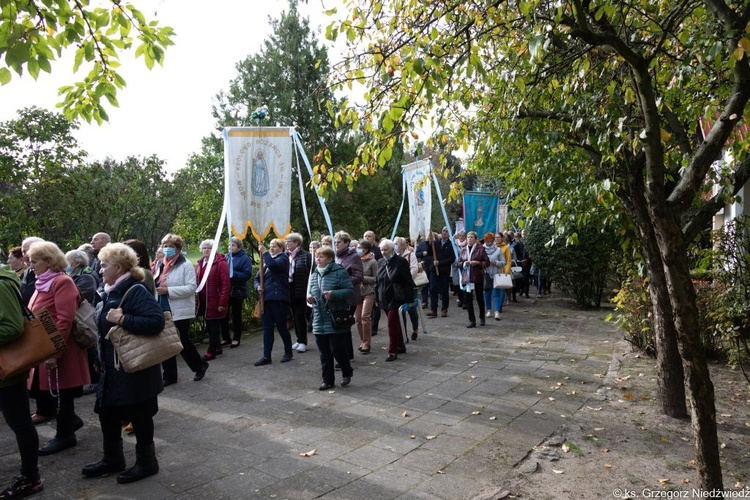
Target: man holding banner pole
[(443, 256)]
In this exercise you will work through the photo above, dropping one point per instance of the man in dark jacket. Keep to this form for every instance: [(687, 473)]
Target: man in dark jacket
[(395, 288), (350, 260), (300, 262), (440, 273)]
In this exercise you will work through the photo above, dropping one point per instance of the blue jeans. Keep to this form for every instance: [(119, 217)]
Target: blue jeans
[(14, 402), (274, 315), (497, 297)]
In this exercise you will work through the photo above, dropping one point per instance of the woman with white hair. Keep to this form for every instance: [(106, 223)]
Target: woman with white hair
[(78, 269), (213, 298)]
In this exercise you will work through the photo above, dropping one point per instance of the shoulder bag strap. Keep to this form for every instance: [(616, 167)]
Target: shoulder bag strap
[(122, 299)]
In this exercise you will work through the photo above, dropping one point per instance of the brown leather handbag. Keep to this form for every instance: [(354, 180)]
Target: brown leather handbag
[(39, 341)]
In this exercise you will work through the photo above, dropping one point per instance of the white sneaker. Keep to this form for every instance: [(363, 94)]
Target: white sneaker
[(488, 314), (497, 315), (296, 345), (301, 347)]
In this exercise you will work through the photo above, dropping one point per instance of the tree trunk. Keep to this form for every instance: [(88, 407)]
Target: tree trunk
[(700, 388), (670, 375)]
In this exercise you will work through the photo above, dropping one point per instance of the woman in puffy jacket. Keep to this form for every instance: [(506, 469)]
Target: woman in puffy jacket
[(330, 289), (276, 299), (213, 298), (123, 396), (175, 291)]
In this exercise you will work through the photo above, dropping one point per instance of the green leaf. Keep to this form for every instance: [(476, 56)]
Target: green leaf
[(5, 76)]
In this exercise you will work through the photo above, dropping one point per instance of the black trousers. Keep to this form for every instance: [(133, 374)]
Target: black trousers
[(189, 353), (469, 298), (333, 347), (299, 310), (14, 403), (235, 311)]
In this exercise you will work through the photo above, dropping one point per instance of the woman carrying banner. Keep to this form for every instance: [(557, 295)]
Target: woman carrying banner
[(276, 298)]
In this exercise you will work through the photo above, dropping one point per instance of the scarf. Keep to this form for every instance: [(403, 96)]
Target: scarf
[(367, 256), (168, 264), (44, 281), (109, 288), (292, 260)]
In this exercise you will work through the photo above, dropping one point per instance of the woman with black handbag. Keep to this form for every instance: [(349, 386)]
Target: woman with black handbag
[(123, 396), (330, 289)]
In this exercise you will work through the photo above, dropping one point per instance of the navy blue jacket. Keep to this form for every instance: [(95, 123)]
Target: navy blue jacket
[(142, 316), (275, 279), (242, 270)]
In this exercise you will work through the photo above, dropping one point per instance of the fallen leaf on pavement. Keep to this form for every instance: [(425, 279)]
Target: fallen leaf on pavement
[(608, 466), (407, 396), (598, 428), (405, 414), (308, 453), (565, 447), (493, 418), (476, 413), (558, 471), (430, 438), (605, 450), (539, 412), (412, 437), (598, 408), (664, 481), (441, 472), (551, 399)]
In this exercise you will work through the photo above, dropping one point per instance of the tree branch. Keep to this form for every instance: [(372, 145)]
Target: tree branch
[(703, 217)]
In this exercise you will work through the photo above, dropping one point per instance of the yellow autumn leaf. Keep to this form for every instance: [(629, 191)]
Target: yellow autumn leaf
[(745, 44), (738, 53), (665, 136)]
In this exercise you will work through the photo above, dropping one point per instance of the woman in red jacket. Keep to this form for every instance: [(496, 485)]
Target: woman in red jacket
[(213, 296), (67, 374)]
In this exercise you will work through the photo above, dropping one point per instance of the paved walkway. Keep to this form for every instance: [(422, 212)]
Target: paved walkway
[(450, 419)]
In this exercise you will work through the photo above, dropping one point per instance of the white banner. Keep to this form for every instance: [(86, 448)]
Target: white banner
[(258, 165), (419, 189)]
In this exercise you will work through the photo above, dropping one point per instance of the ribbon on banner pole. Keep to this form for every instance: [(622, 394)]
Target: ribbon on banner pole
[(302, 194), (400, 210), (323, 207), (445, 214), (214, 248)]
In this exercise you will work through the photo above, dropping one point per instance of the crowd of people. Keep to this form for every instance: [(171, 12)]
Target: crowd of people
[(339, 283)]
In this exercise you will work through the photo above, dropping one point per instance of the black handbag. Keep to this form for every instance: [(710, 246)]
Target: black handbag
[(488, 284), (237, 292), (340, 318)]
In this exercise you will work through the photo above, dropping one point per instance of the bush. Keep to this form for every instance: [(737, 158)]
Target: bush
[(579, 270), (722, 288)]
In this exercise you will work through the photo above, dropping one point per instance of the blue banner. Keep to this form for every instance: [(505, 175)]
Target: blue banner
[(480, 212)]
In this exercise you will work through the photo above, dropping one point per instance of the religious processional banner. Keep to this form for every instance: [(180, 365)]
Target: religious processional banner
[(419, 189), (258, 168), (480, 212)]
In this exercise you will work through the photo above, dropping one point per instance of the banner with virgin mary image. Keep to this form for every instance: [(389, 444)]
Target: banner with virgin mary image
[(258, 180), (419, 189), (480, 212)]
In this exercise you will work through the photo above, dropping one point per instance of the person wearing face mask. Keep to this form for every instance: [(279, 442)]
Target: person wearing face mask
[(175, 291), (395, 288), (276, 299), (363, 313), (330, 287)]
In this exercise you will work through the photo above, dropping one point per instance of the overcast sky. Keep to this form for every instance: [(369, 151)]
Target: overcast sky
[(166, 111)]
